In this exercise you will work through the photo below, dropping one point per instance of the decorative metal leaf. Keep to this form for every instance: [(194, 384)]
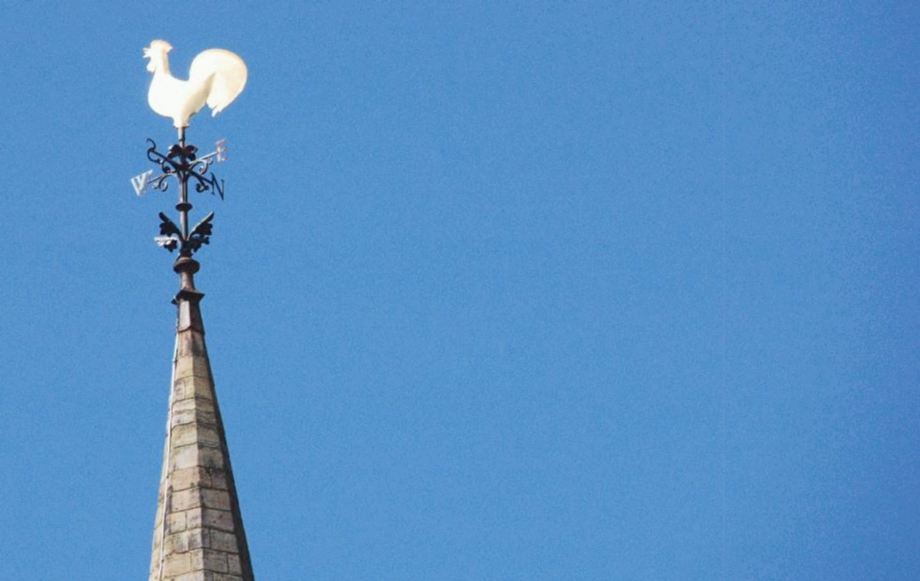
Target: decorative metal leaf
[(168, 227), (203, 228), (167, 242), (201, 233)]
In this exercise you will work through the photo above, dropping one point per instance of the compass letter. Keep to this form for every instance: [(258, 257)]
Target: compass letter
[(221, 150), (140, 182)]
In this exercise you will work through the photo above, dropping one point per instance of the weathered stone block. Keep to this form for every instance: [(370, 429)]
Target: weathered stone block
[(205, 417), (196, 403), (192, 367), (233, 562), (177, 564), (176, 543), (197, 559), (191, 345), (207, 436), (198, 539), (195, 519), (219, 479), (218, 519), (215, 499), (184, 434), (185, 457), (183, 500), (215, 561), (181, 417), (208, 560), (193, 386), (186, 478), (175, 523), (211, 458), (221, 541)]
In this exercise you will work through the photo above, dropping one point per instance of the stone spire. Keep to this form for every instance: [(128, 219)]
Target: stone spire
[(198, 534)]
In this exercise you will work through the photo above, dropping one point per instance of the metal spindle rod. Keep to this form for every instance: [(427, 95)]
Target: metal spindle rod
[(183, 206)]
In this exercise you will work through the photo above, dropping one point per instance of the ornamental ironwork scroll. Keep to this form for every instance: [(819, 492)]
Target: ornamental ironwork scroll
[(181, 162)]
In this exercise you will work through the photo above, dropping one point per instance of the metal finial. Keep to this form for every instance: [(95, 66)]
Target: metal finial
[(216, 78)]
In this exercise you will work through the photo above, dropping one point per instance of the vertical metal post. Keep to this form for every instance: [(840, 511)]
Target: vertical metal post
[(183, 206)]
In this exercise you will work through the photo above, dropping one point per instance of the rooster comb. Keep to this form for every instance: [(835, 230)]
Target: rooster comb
[(157, 44)]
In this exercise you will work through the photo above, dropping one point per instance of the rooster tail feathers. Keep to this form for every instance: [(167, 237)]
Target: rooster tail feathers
[(228, 76), (223, 91)]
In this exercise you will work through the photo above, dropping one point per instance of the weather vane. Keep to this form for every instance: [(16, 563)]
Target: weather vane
[(216, 78)]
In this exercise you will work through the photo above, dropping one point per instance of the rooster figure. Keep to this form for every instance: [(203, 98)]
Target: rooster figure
[(217, 77)]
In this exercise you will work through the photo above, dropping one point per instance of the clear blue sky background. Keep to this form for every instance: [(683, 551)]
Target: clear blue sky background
[(500, 290)]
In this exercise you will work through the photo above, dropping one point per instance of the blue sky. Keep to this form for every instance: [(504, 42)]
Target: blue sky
[(499, 290)]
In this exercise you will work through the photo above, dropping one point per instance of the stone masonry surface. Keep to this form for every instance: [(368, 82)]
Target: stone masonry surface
[(198, 532)]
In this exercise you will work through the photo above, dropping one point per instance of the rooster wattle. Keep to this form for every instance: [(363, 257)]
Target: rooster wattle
[(216, 77)]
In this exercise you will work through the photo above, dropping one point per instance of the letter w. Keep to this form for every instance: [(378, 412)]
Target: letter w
[(140, 182)]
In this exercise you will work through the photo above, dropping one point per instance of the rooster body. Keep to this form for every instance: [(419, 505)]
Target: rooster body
[(216, 78)]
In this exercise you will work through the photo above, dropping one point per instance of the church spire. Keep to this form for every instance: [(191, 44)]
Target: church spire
[(198, 532)]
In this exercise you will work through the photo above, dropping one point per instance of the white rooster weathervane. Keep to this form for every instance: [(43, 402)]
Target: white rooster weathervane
[(216, 78)]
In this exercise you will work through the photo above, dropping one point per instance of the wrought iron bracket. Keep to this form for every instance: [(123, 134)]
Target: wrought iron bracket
[(182, 162)]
